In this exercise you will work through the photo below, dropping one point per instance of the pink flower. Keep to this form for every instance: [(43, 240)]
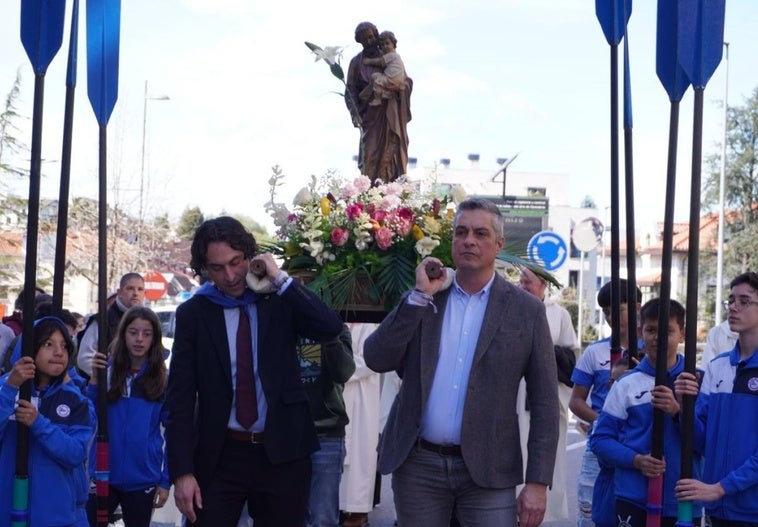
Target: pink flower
[(378, 215), (348, 192), (405, 212), (339, 236), (383, 237), (362, 183), (403, 226), (354, 210)]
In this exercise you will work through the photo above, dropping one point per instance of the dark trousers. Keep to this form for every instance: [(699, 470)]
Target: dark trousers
[(136, 506), (718, 522), (276, 495)]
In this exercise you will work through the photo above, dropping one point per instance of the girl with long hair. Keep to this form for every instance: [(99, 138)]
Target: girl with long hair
[(138, 478)]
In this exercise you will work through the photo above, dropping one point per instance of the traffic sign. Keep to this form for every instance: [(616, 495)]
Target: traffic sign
[(548, 249), (588, 234), (155, 286)]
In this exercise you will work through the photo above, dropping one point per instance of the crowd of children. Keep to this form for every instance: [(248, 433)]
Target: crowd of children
[(618, 464), (60, 422)]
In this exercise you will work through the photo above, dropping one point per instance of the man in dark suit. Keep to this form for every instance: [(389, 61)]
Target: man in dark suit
[(239, 427), (451, 440)]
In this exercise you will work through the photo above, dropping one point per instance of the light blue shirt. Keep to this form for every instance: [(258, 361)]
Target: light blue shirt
[(443, 414), (232, 318)]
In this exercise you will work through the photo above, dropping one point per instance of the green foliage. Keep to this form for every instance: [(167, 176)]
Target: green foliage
[(189, 222), (10, 143), (741, 189)]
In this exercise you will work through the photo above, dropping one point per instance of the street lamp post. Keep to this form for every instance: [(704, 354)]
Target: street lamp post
[(722, 184), (142, 168)]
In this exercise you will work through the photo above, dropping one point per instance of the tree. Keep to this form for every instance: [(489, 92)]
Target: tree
[(189, 221), (588, 202), (10, 144), (741, 188), (258, 230)]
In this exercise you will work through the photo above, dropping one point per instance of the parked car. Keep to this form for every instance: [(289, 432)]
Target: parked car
[(167, 316)]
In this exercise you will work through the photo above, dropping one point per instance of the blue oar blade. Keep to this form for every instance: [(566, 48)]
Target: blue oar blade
[(701, 38), (42, 31), (73, 46), (667, 66), (613, 16), (103, 32)]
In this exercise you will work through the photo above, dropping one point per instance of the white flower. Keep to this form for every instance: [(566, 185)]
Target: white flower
[(324, 256), (394, 188), (458, 194), (391, 202), (426, 245), (303, 197), (330, 54), (280, 214)]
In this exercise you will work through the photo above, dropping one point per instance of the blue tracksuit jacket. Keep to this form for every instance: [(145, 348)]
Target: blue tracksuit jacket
[(726, 426), (57, 450), (625, 429), (135, 443)]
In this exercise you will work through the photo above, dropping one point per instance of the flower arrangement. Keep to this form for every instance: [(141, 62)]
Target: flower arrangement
[(361, 242)]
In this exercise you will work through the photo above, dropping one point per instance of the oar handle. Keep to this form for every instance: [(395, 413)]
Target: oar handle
[(433, 270), (258, 268)]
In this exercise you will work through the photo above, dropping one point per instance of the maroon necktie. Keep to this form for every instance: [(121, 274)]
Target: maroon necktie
[(247, 403)]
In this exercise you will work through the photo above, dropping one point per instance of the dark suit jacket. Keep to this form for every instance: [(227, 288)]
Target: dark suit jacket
[(201, 371), (514, 342)]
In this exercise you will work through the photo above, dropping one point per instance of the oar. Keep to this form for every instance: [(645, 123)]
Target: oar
[(41, 36), (700, 45), (68, 127), (613, 16), (631, 246), (675, 82), (103, 28)]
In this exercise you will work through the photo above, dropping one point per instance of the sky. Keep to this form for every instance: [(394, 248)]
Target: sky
[(492, 77)]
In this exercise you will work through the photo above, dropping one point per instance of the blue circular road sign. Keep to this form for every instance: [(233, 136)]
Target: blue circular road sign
[(548, 249)]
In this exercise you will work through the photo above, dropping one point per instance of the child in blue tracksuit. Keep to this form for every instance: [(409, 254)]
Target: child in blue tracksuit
[(622, 436), (591, 378), (59, 424), (726, 413), (138, 479)]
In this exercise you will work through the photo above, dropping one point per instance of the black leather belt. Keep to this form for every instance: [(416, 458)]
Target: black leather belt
[(443, 450), (247, 437)]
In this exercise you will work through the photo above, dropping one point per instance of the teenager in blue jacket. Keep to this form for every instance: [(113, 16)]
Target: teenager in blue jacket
[(726, 413), (59, 424), (138, 478), (622, 436)]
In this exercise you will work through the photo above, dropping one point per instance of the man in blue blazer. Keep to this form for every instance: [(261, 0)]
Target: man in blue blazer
[(239, 427), (451, 440)]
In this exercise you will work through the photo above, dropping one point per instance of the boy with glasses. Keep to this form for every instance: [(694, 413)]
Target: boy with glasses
[(725, 415)]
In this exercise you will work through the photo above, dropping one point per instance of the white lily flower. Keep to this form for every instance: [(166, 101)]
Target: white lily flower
[(303, 197), (330, 54)]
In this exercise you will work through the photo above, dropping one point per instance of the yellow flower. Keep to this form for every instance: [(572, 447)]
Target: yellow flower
[(326, 206), (417, 232), (432, 225)]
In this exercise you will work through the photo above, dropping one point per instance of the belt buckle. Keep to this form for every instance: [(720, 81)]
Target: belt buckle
[(255, 438)]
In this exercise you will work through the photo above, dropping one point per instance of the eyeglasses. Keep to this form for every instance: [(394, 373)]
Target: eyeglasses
[(738, 303)]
